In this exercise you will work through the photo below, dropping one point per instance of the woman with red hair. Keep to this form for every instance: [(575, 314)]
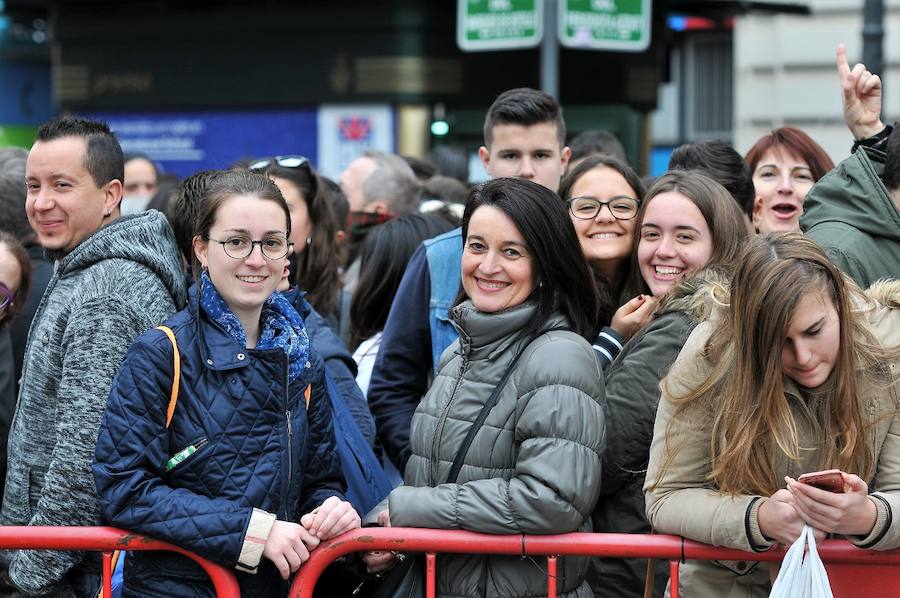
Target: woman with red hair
[(785, 165)]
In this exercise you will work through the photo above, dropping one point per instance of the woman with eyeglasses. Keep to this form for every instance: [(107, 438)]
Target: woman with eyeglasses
[(15, 280), (603, 195), (241, 465), (688, 234)]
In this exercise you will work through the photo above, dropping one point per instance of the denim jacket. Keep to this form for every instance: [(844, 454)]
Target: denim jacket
[(444, 254)]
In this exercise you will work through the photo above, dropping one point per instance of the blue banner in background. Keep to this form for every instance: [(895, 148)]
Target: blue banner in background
[(186, 142)]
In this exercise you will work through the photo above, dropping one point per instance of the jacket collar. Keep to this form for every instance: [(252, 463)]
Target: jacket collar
[(487, 335), (218, 349)]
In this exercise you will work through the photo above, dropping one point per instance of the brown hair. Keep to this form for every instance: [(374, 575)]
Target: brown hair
[(15, 248), (719, 210), (745, 389), (318, 265), (223, 187)]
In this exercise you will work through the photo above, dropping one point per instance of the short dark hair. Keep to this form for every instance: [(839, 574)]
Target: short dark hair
[(141, 156), (228, 184), (891, 175), (421, 167), (184, 207), (720, 162), (103, 155), (545, 226), (451, 160), (596, 141), (12, 194), (20, 296), (524, 106), (383, 259)]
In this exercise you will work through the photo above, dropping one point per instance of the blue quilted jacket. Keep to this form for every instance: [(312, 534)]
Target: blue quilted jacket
[(259, 445)]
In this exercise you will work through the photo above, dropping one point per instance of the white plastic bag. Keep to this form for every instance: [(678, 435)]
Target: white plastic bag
[(802, 573)]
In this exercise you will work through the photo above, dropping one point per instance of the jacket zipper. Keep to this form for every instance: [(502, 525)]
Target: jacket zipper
[(287, 415), (442, 419)]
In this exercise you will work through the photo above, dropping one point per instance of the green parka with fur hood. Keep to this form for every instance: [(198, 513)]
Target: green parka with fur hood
[(851, 214), (632, 394)]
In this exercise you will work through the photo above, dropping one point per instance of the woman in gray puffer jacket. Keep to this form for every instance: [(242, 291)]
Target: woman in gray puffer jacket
[(534, 465)]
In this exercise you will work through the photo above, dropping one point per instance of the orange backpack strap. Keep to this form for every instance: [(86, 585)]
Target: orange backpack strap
[(176, 378)]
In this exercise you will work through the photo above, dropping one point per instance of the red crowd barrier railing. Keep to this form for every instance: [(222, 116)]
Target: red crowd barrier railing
[(107, 540), (672, 548)]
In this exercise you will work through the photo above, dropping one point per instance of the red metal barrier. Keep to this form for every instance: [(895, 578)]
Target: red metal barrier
[(671, 548), (108, 539)]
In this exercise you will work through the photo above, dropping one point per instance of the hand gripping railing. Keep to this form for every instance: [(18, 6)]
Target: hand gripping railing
[(108, 539), (672, 548)]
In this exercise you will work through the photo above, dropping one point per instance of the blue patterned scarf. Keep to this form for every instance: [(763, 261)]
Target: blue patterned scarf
[(281, 325)]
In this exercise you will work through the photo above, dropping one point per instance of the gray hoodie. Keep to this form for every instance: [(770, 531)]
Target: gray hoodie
[(117, 283)]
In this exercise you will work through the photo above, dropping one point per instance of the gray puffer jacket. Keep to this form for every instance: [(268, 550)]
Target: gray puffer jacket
[(632, 395), (117, 283), (533, 467)]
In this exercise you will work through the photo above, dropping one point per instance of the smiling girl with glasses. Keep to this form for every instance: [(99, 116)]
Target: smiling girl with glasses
[(249, 450)]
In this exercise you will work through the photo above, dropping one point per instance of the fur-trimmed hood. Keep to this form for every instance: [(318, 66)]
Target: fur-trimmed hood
[(885, 292), (697, 295)]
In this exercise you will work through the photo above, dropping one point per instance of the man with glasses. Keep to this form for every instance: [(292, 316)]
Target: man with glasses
[(114, 279)]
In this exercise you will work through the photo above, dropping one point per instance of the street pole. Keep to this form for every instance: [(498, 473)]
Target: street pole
[(873, 36), (550, 51)]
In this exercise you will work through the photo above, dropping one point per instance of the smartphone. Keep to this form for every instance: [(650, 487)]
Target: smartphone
[(830, 480)]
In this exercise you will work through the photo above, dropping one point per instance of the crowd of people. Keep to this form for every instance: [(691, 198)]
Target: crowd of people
[(257, 359)]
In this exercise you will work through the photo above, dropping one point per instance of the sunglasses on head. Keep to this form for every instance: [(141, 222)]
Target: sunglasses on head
[(291, 162), (6, 296)]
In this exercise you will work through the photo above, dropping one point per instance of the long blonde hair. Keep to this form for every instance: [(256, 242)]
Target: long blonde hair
[(752, 415)]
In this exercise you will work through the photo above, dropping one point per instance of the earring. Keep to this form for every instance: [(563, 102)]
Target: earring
[(107, 213), (541, 284), (308, 240)]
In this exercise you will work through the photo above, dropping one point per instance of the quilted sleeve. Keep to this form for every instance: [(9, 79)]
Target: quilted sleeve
[(322, 475), (131, 450)]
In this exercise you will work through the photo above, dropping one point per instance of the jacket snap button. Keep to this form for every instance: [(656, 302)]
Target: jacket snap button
[(308, 365), (209, 362), (241, 356), (742, 565)]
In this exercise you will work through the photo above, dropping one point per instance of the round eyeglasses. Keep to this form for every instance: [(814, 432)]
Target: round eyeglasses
[(238, 247), (621, 207)]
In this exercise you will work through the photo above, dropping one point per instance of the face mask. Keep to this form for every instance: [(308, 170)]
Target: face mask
[(133, 204)]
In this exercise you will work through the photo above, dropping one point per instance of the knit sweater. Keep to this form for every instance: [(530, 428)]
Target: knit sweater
[(117, 283)]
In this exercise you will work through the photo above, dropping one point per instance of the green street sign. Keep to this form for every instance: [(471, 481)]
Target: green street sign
[(498, 24), (617, 25)]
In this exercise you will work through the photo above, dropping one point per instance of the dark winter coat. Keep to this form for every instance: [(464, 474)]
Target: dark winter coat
[(632, 395), (262, 452)]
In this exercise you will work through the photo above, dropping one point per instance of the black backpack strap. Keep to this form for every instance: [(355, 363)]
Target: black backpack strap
[(488, 406)]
